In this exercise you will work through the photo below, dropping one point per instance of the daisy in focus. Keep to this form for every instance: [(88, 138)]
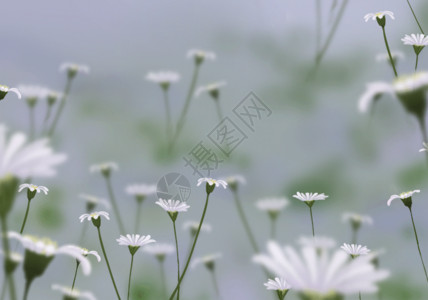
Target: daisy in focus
[(309, 199), (406, 197), (379, 16), (418, 41), (279, 285), (134, 241), (355, 250), (33, 188)]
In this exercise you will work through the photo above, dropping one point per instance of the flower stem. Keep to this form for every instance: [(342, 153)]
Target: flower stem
[(215, 282), (193, 248), (75, 274), (416, 64), (130, 272), (182, 119), (3, 288), (218, 109), (27, 288), (48, 114), (417, 242), (25, 218), (389, 51), (6, 250), (114, 204), (108, 264), (272, 228), (359, 295), (137, 219), (354, 235), (168, 116), (312, 221), (61, 107), (245, 222), (414, 15), (178, 259), (163, 279)]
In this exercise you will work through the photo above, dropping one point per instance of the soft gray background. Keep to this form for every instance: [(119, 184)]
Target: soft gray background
[(315, 139)]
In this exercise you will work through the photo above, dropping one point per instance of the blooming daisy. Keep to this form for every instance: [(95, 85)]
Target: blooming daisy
[(355, 250), (73, 69), (94, 216), (104, 168), (317, 242), (207, 260), (73, 294), (173, 205), (141, 190), (212, 89), (25, 160), (163, 78), (134, 241), (211, 182), (93, 201), (418, 39), (403, 196), (321, 273), (85, 252), (200, 55), (33, 188), (5, 89), (379, 15), (307, 197), (279, 285), (272, 205), (160, 250)]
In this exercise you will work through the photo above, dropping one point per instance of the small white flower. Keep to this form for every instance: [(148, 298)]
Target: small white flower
[(382, 57), (5, 89), (279, 284), (163, 77), (310, 196), (318, 242), (93, 200), (402, 196), (201, 54), (14, 256), (379, 15), (415, 40), (235, 179), (172, 205), (425, 148), (33, 188), (33, 91), (211, 181), (272, 204), (135, 240), (355, 250), (357, 218), (73, 68), (141, 190), (95, 215), (159, 249), (410, 83), (373, 92), (193, 226), (207, 260), (212, 89), (104, 167), (73, 293), (85, 252)]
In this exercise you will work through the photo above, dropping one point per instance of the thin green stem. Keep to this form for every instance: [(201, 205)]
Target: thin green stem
[(168, 116), (182, 118), (272, 228), (137, 218), (178, 259), (130, 272), (163, 279), (6, 250), (107, 262), (417, 242), (3, 288), (245, 222), (215, 282), (48, 114), (25, 218), (75, 274), (416, 64), (114, 204), (193, 248), (312, 221), (27, 288), (389, 51), (416, 19), (218, 109), (61, 107)]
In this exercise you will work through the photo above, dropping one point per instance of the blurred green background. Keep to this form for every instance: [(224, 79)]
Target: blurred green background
[(315, 140)]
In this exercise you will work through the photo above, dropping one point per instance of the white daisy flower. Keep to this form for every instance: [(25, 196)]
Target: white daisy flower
[(200, 55), (272, 204), (94, 216), (379, 15), (85, 252), (402, 196), (160, 250), (32, 160), (33, 91), (93, 201), (163, 77), (355, 250), (5, 89), (396, 55), (355, 218), (211, 181), (317, 242), (279, 284), (46, 248), (193, 227), (425, 147), (14, 256), (141, 190), (104, 168), (33, 188), (373, 92), (73, 69), (73, 293), (212, 89), (172, 205), (321, 273), (418, 39), (310, 196), (207, 260), (134, 240)]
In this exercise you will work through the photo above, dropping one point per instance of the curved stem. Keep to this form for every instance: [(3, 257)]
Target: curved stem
[(312, 221), (245, 222), (25, 218), (182, 118), (389, 51), (61, 106), (114, 204), (416, 19), (107, 262), (27, 288), (417, 242), (168, 116), (130, 272), (75, 274), (193, 248), (215, 282), (178, 259), (163, 279)]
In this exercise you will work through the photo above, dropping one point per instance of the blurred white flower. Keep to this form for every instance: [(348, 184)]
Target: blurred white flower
[(163, 77), (425, 147), (310, 196), (382, 57), (279, 284), (172, 205), (135, 240), (235, 179), (33, 188), (418, 39), (193, 226), (355, 250), (322, 273), (373, 92), (73, 293), (5, 89), (212, 89), (211, 181), (47, 248), (160, 250), (93, 200), (72, 68), (33, 91), (357, 218), (200, 55), (35, 159), (104, 168), (317, 242), (402, 196), (94, 216), (207, 260), (141, 190), (272, 205), (379, 15)]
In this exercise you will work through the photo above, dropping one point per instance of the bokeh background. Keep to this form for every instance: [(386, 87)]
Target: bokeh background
[(315, 140)]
